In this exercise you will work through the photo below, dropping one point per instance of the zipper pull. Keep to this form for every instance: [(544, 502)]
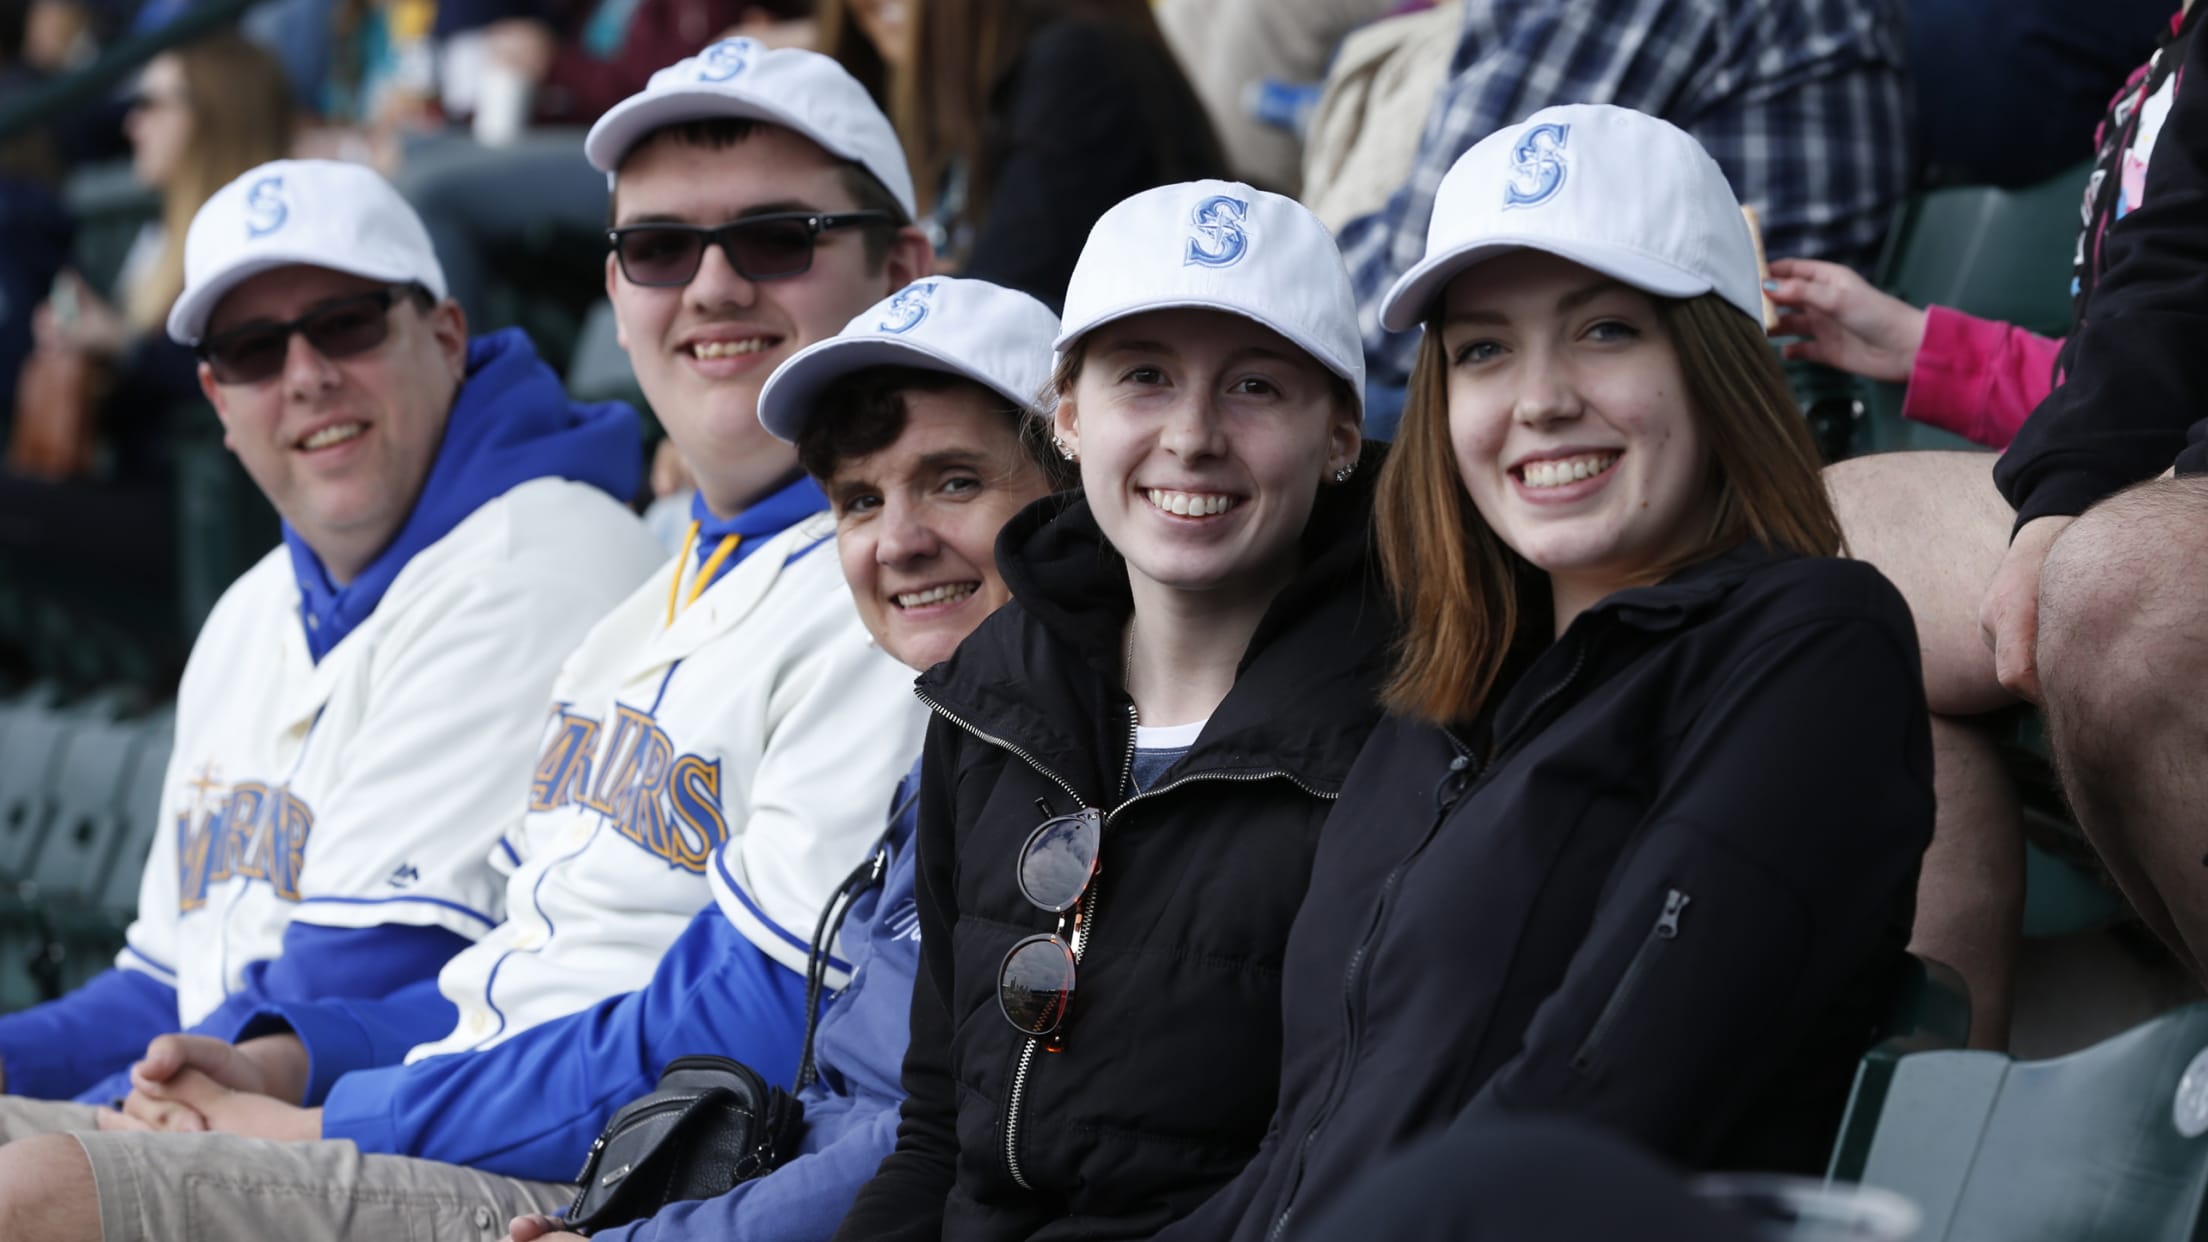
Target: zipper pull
[(1452, 785), (1667, 926), (881, 864)]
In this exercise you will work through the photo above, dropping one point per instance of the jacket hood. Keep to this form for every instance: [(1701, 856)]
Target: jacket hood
[(511, 422), (1045, 670)]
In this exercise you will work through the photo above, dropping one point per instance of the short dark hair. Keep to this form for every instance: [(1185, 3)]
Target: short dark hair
[(715, 133), (869, 415)]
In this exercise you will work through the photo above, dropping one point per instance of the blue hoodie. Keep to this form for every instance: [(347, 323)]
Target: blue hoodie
[(510, 423), (529, 1107)]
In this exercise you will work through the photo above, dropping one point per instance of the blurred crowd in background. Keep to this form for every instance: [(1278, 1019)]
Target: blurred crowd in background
[(1023, 121)]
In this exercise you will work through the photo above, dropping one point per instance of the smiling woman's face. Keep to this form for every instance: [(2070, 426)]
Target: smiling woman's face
[(917, 521), (1569, 418), (1203, 439)]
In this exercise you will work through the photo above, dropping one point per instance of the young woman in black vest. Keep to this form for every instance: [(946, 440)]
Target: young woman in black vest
[(1129, 763)]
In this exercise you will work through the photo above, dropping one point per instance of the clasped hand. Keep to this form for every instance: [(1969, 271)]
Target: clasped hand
[(188, 1083)]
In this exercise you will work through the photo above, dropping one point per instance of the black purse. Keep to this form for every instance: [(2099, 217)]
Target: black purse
[(711, 1123)]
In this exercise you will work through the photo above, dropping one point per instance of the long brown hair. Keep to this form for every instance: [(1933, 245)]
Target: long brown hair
[(842, 41), (1461, 590), (962, 49), (240, 107)]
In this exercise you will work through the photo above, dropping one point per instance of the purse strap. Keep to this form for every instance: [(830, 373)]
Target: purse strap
[(830, 924)]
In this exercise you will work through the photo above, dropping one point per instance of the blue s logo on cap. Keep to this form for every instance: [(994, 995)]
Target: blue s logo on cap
[(1219, 239), (724, 60), (265, 211), (1536, 166), (908, 308)]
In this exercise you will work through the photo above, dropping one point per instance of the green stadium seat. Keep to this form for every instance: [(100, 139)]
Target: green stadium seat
[(223, 522), (89, 782), (599, 370), (2105, 1145), (31, 742), (1997, 254), (141, 808)]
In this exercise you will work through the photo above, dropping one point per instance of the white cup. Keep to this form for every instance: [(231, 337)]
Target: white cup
[(501, 105)]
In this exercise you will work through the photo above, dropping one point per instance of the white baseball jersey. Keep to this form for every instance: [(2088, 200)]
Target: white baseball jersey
[(756, 741), (366, 789)]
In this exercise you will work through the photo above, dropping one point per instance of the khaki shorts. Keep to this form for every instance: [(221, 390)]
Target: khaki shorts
[(218, 1187), (22, 1119)]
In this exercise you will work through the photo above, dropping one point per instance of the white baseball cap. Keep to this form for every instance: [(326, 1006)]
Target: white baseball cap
[(320, 213), (1631, 196), (741, 78), (1220, 245), (997, 337)]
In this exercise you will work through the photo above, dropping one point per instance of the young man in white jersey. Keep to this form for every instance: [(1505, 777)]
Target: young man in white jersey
[(361, 704), (728, 737)]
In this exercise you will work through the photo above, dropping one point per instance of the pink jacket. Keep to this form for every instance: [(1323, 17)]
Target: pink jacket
[(1978, 378)]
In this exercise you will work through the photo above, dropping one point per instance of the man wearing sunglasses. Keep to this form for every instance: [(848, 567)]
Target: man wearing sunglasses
[(725, 740), (362, 704)]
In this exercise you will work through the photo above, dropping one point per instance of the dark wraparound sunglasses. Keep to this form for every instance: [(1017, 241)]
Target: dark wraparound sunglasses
[(1035, 983), (769, 247), (339, 328)]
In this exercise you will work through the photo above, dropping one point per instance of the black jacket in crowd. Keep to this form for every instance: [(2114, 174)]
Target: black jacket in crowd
[(2134, 382), (1171, 1048), (1663, 886)]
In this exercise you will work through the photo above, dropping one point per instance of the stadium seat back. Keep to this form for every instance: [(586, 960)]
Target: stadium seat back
[(31, 742), (1997, 254), (224, 524), (141, 811), (2109, 1144), (599, 369), (88, 819)]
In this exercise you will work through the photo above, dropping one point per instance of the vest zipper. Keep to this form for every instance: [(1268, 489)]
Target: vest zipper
[(1666, 929), (1087, 921), (1026, 1063), (1351, 976)]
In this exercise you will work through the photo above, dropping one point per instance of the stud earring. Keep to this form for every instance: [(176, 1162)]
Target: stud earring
[(1065, 450), (1342, 475)]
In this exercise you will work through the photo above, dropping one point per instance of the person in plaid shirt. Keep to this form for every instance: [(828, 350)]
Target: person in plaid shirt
[(1803, 103)]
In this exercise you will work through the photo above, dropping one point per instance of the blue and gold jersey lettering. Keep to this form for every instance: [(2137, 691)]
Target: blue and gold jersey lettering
[(248, 830), (564, 767), (668, 804)]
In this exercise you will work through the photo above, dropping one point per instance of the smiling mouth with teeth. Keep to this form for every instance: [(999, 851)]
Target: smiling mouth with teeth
[(935, 595), (731, 349), (1565, 469), (1190, 504), (337, 434)]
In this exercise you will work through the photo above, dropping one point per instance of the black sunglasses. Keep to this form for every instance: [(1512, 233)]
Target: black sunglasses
[(1035, 983), (339, 328), (776, 246)]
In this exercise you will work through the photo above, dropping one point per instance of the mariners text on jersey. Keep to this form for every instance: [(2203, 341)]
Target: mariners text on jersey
[(667, 803)]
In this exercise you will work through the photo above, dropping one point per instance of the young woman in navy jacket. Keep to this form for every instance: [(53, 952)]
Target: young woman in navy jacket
[(1639, 840)]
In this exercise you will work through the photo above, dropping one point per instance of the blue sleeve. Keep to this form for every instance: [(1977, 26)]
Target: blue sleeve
[(803, 1201), (315, 962), (345, 1035), (529, 1107), (55, 1050)]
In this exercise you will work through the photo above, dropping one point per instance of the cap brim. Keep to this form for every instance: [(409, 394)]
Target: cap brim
[(1412, 297), (787, 400), (628, 121), (1351, 371), (188, 316)]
